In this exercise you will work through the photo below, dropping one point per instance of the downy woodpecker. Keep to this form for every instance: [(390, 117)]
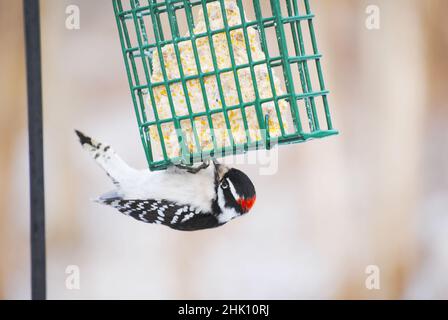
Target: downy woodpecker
[(193, 199)]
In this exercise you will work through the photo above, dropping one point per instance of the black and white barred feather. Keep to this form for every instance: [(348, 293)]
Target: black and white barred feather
[(175, 216)]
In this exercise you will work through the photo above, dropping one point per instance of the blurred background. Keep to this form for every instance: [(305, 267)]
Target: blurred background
[(376, 195)]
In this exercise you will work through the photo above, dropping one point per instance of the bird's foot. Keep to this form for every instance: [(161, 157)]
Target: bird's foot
[(194, 170)]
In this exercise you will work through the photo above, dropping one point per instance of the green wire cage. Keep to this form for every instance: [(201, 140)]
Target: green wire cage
[(173, 53)]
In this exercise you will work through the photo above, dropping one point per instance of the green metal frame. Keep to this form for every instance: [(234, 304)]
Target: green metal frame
[(135, 16)]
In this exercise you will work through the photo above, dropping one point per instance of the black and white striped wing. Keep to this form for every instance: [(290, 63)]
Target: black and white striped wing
[(176, 216)]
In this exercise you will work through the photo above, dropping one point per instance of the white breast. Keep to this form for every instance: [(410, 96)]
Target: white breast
[(175, 185)]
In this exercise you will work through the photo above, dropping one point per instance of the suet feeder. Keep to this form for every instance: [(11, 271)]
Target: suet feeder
[(208, 79)]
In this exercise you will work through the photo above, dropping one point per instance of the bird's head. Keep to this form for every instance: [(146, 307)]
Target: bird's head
[(235, 192)]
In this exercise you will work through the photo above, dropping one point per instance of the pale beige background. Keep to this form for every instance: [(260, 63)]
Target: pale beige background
[(377, 194)]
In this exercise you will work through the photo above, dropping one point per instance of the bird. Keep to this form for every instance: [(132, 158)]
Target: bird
[(182, 198)]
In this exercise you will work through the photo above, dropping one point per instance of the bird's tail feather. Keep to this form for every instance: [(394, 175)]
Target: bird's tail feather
[(109, 197), (106, 157)]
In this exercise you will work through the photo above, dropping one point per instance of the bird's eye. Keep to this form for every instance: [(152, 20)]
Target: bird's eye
[(224, 184)]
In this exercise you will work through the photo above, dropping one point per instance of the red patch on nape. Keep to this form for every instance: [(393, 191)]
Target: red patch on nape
[(247, 204)]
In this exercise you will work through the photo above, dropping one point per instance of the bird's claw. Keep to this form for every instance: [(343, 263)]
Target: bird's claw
[(194, 170)]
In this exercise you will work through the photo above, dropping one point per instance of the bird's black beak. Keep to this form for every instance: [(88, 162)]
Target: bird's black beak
[(220, 169)]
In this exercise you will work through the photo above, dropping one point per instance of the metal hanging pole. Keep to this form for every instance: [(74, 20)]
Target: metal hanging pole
[(36, 159)]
